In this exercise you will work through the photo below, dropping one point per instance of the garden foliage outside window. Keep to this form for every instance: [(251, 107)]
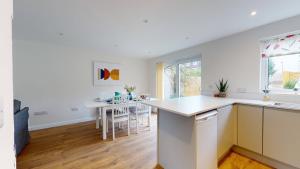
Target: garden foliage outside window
[(183, 78), (281, 63)]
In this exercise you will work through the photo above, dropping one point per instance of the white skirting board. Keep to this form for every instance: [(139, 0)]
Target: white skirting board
[(61, 123)]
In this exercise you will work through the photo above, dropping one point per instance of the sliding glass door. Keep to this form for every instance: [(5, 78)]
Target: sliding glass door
[(190, 79), (182, 79)]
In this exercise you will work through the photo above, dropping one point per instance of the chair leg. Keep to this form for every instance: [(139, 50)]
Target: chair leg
[(113, 129), (128, 127), (119, 126), (149, 121), (137, 123), (106, 125)]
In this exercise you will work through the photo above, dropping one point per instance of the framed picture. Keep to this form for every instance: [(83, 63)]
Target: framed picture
[(107, 73)]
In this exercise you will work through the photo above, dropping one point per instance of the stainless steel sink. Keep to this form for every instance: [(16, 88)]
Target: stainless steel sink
[(278, 104), (285, 105)]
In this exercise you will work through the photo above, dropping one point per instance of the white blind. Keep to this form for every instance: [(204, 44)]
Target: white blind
[(283, 45)]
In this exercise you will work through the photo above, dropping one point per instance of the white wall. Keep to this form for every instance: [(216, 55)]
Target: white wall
[(55, 79), (236, 58), (7, 154)]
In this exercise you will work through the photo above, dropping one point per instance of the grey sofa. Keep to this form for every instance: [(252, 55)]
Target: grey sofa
[(21, 117)]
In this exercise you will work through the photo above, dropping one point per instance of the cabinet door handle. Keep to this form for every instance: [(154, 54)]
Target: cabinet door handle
[(207, 118)]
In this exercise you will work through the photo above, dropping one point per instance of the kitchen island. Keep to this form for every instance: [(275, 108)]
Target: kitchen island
[(196, 132)]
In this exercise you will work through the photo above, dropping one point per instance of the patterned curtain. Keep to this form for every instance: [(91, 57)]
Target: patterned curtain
[(286, 45)]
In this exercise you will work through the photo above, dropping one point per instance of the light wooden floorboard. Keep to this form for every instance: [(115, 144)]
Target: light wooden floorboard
[(236, 161), (80, 146)]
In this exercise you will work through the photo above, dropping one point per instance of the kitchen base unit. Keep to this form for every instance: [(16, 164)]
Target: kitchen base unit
[(187, 142), (191, 135)]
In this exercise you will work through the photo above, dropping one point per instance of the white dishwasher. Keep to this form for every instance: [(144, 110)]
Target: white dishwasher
[(206, 140)]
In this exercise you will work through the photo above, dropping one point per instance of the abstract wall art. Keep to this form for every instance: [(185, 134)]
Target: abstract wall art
[(107, 73)]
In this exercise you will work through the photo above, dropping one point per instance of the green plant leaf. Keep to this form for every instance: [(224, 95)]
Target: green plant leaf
[(223, 85)]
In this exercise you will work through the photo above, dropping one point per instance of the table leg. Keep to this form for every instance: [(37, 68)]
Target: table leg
[(97, 117), (149, 118), (100, 115), (137, 120), (103, 123)]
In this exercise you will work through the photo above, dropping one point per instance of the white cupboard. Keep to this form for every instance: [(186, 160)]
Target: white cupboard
[(282, 135), (250, 120), (206, 140), (227, 136)]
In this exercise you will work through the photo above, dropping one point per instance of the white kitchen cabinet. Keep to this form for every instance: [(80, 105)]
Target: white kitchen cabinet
[(206, 140), (282, 135), (227, 136), (187, 142), (250, 122)]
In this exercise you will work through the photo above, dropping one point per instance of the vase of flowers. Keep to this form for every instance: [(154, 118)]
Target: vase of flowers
[(130, 90), (222, 87)]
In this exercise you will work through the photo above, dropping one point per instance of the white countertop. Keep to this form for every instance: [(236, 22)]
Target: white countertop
[(190, 106)]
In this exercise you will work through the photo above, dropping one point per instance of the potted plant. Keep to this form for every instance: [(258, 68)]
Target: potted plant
[(222, 87), (129, 90)]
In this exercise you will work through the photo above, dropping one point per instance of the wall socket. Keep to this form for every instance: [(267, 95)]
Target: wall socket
[(74, 109), (40, 113), (241, 90)]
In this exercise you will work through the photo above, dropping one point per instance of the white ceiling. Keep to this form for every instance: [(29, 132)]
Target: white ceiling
[(118, 28)]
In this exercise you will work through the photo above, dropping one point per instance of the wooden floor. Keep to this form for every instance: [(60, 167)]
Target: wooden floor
[(79, 146), (236, 161)]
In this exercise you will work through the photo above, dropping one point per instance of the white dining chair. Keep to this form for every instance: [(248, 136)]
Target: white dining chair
[(140, 110), (120, 113)]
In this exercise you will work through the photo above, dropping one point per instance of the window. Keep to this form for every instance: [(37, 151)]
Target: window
[(183, 79), (281, 63), (190, 78)]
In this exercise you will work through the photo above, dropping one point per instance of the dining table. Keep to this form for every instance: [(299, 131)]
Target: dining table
[(101, 111)]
